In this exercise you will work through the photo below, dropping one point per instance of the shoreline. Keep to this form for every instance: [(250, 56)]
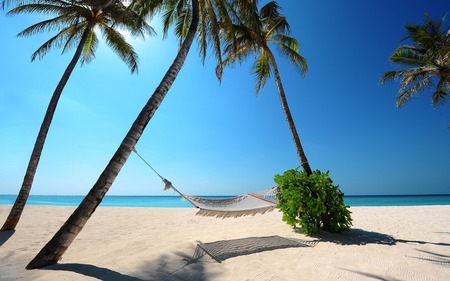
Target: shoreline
[(145, 243), (162, 201)]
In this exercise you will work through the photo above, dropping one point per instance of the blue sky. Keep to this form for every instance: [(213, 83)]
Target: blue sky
[(216, 139)]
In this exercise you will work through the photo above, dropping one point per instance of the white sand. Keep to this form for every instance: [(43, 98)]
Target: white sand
[(387, 243)]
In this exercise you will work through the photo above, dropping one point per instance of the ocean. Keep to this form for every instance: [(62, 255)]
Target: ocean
[(177, 202)]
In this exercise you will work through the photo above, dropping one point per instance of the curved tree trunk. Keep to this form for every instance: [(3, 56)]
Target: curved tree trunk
[(55, 248), (287, 113), (19, 204)]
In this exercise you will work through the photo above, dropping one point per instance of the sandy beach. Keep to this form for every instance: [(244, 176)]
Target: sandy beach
[(121, 243)]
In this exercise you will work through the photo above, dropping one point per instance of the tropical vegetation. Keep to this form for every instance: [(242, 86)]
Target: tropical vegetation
[(76, 23), (312, 202), (255, 35), (424, 61), (186, 15)]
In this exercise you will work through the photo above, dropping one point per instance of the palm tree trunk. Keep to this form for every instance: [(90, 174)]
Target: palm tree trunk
[(19, 204), (55, 248), (287, 113)]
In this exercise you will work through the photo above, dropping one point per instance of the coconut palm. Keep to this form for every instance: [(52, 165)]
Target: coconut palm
[(185, 15), (75, 22), (424, 61), (255, 37)]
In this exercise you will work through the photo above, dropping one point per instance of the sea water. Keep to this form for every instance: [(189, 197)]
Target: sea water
[(178, 202)]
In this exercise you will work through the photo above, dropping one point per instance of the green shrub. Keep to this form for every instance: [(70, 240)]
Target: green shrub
[(312, 202)]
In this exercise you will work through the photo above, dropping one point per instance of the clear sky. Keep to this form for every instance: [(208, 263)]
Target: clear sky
[(216, 139)]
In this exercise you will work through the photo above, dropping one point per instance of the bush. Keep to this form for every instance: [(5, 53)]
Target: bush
[(312, 202)]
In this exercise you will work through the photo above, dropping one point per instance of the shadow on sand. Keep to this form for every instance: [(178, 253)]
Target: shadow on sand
[(181, 266), (362, 237), (357, 237), (431, 257), (5, 235), (225, 249), (164, 268), (99, 273)]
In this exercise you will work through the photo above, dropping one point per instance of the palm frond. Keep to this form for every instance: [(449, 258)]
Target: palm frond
[(89, 47), (288, 47), (74, 36), (414, 78), (144, 9), (419, 87), (53, 24), (119, 45), (131, 21), (213, 31), (37, 8), (55, 42), (442, 93), (269, 11), (408, 56), (171, 14), (400, 74), (262, 70), (202, 34)]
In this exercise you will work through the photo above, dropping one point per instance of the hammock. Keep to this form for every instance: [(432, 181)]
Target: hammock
[(243, 205)]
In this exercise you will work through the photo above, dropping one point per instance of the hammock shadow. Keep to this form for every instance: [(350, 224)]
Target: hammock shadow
[(5, 235), (225, 249)]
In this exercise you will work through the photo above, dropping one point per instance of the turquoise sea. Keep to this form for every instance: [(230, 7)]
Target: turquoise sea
[(177, 202)]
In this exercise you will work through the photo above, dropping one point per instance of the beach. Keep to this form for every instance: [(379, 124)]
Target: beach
[(135, 243)]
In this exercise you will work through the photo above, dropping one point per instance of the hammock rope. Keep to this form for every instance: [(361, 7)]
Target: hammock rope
[(247, 204)]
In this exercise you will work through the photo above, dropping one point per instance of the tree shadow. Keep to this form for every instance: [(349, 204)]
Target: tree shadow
[(164, 268), (180, 268), (5, 235), (423, 242), (371, 275), (100, 273), (433, 257), (357, 237), (362, 237)]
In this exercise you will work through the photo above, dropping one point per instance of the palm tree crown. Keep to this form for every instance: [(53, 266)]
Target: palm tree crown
[(73, 18), (254, 35), (427, 58), (215, 16)]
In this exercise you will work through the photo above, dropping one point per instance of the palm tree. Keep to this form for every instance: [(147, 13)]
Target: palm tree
[(186, 15), (255, 36), (76, 22), (427, 59)]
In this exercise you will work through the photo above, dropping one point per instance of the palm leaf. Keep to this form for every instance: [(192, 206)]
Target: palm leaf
[(419, 87), (89, 47), (54, 42), (262, 70), (288, 47), (74, 36), (118, 44), (408, 56)]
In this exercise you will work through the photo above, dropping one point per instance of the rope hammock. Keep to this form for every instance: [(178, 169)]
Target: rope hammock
[(243, 205)]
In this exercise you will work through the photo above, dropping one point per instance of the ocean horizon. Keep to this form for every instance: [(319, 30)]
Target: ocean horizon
[(174, 201)]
